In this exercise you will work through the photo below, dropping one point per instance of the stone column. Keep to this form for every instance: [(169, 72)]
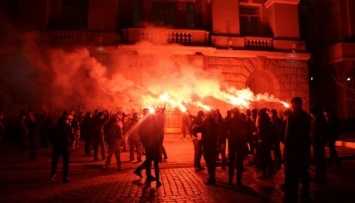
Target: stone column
[(225, 17), (283, 18)]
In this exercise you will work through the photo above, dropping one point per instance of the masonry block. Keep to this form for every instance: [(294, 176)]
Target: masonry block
[(244, 70), (291, 70), (238, 77), (291, 86), (236, 61), (227, 76), (286, 93), (212, 60), (302, 71), (303, 86), (285, 78), (230, 69), (278, 70), (284, 62), (303, 79), (223, 61)]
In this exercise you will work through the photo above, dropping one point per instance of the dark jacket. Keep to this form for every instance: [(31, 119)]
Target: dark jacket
[(277, 124), (319, 130), (99, 124), (333, 126), (236, 130), (209, 130), (266, 131), (133, 129), (86, 128), (150, 132), (114, 134), (62, 135), (197, 121), (297, 136)]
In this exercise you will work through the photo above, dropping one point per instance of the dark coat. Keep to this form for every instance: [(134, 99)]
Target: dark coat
[(266, 131), (197, 121), (319, 130), (99, 124), (86, 128), (209, 130), (236, 131), (62, 135), (297, 136), (114, 134), (150, 132)]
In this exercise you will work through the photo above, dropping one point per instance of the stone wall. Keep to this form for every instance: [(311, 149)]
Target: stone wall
[(285, 78)]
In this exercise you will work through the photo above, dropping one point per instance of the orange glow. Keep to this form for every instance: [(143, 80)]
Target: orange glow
[(151, 110), (236, 98), (285, 104), (182, 108), (204, 106), (207, 108), (238, 101), (164, 97)]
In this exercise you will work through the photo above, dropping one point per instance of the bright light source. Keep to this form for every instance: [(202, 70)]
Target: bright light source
[(286, 105), (164, 96), (151, 110), (207, 108), (182, 107), (311, 78), (348, 79)]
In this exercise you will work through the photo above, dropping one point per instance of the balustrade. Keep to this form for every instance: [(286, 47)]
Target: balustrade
[(64, 37), (166, 36), (258, 43)]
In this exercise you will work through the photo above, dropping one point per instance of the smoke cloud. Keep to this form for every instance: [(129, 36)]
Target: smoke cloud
[(36, 77)]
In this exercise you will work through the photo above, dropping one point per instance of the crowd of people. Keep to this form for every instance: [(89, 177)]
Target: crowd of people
[(256, 133), (259, 134), (105, 134)]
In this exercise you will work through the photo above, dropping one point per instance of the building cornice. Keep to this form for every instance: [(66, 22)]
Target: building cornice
[(342, 51), (269, 3), (267, 54), (211, 51)]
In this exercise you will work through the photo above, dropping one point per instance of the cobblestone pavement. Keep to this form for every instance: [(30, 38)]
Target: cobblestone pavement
[(22, 180)]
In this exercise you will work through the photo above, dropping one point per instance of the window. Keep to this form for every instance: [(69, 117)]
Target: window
[(164, 13), (190, 15), (249, 20), (73, 14), (174, 14), (137, 12)]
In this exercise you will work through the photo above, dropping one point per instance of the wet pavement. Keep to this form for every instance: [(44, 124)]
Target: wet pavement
[(22, 180)]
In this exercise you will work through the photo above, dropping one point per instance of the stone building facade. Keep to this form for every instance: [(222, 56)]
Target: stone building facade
[(254, 44)]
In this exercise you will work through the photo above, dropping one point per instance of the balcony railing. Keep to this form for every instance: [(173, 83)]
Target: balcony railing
[(166, 36), (157, 36), (78, 38), (258, 43), (64, 37)]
